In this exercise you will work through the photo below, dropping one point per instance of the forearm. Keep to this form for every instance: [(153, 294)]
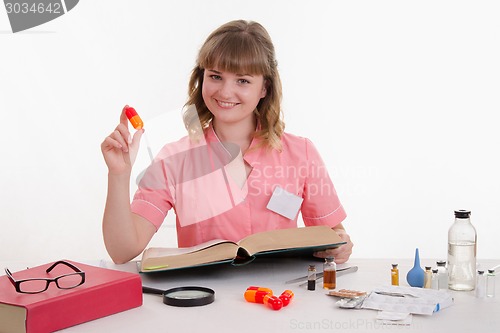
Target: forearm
[(119, 230)]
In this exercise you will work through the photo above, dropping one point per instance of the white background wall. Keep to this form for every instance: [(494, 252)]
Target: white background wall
[(400, 97)]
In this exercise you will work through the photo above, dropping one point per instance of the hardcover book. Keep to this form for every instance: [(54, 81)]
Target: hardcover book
[(103, 293), (293, 241)]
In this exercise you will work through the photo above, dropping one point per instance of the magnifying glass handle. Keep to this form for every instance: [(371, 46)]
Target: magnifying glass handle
[(149, 290)]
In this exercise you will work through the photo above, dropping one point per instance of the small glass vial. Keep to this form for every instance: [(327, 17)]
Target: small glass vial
[(311, 277), (427, 277), (480, 284), (329, 274), (395, 275), (443, 274), (435, 279), (490, 283)]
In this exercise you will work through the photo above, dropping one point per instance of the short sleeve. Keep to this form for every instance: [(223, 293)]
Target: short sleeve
[(321, 205), (153, 198)]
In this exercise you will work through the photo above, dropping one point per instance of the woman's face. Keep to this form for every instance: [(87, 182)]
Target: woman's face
[(232, 97)]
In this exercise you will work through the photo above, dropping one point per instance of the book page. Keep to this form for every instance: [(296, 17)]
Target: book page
[(173, 251), (208, 252), (12, 318), (290, 238)]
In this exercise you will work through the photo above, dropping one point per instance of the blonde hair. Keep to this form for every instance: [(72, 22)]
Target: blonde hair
[(238, 47)]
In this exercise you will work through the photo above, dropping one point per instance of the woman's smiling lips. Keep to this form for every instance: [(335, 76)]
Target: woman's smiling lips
[(226, 105)]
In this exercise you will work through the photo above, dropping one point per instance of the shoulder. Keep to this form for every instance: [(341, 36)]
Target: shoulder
[(300, 148), (292, 142)]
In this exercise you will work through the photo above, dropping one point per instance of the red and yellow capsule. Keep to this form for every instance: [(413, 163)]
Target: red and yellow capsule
[(273, 302), (256, 296), (134, 118), (286, 297), (260, 288)]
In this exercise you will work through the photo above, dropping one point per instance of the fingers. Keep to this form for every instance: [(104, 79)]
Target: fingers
[(109, 144), (134, 142), (342, 234), (123, 116), (342, 257), (119, 138), (134, 145), (119, 149), (341, 253)]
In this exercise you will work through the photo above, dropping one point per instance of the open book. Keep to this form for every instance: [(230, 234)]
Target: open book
[(298, 241)]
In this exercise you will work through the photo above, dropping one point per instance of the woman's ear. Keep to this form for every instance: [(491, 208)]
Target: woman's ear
[(264, 89)]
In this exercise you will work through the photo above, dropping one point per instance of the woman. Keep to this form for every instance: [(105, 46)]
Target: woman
[(236, 173)]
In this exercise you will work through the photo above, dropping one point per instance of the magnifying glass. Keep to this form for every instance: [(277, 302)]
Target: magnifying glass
[(184, 296)]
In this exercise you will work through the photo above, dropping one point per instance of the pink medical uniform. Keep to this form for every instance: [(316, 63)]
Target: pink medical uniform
[(206, 185)]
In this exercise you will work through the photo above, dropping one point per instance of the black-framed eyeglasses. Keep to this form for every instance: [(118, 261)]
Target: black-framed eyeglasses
[(38, 285)]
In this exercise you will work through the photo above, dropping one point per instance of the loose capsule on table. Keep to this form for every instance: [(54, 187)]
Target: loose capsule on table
[(256, 294), (134, 118), (273, 302), (260, 288), (286, 297)]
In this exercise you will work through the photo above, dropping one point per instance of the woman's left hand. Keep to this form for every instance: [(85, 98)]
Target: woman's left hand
[(341, 253)]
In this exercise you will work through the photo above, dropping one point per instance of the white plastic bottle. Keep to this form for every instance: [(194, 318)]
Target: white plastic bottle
[(462, 240), (480, 284), (443, 274)]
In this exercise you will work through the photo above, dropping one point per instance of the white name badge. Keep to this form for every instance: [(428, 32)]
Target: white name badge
[(285, 203)]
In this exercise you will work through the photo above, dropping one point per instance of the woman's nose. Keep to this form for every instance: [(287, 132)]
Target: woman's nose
[(225, 90)]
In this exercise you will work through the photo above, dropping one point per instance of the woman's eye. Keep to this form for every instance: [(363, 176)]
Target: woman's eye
[(243, 81), (216, 77)]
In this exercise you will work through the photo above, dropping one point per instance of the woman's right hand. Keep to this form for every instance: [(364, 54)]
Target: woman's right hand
[(120, 148)]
